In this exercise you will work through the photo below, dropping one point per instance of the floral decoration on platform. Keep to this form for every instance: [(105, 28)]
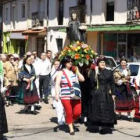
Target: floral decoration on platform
[(81, 53)]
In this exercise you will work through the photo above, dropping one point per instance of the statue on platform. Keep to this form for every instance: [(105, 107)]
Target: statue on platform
[(75, 31)]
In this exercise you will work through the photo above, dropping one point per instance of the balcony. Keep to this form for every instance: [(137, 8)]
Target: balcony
[(81, 12), (37, 19), (133, 10)]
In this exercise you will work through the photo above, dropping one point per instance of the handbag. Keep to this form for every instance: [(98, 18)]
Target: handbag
[(75, 88)]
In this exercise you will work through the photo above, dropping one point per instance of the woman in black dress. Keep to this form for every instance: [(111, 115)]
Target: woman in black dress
[(3, 120), (102, 91)]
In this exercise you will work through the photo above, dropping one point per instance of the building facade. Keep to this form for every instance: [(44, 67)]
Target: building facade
[(112, 25), (117, 28)]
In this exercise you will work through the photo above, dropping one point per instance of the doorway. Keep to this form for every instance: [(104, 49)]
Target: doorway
[(122, 46), (40, 46), (22, 48), (122, 50)]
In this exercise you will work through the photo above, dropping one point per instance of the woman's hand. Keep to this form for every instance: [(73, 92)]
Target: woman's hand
[(125, 81), (128, 78), (113, 97), (73, 68), (80, 76), (83, 27), (77, 70), (93, 66), (27, 80), (31, 79)]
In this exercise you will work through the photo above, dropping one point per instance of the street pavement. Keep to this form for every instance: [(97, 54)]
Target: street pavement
[(43, 126)]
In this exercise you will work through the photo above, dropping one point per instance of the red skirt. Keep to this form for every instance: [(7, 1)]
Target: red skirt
[(124, 99), (137, 107)]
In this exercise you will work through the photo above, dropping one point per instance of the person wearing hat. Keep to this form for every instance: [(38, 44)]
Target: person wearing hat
[(124, 99), (20, 65), (102, 95), (10, 78)]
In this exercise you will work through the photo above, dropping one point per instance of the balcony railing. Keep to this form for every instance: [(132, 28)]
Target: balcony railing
[(81, 12), (133, 10), (37, 19)]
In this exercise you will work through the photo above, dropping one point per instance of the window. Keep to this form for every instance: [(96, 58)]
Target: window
[(91, 10), (21, 45), (23, 11), (110, 62), (60, 12), (41, 12), (59, 44), (110, 45), (110, 10), (82, 10), (81, 2), (7, 14), (40, 46), (47, 11), (121, 37), (133, 9), (13, 16), (134, 69)]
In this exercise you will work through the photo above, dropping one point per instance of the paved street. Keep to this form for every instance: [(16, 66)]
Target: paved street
[(43, 127)]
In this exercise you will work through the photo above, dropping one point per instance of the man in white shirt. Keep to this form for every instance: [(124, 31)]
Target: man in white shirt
[(44, 77), (37, 72), (36, 59), (49, 54)]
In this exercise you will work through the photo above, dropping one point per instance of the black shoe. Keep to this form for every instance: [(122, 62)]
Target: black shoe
[(75, 128), (72, 133), (46, 101), (4, 138), (55, 129), (7, 105), (34, 112), (38, 107), (130, 119), (62, 126), (26, 111), (120, 118), (105, 131), (101, 131)]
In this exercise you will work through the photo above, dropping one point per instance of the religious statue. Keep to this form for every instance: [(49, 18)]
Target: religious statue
[(75, 31)]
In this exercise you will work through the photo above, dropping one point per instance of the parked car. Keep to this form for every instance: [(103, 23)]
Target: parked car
[(110, 62), (135, 75)]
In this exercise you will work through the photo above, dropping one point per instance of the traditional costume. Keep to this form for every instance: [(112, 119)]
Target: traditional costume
[(27, 90), (102, 105), (124, 98)]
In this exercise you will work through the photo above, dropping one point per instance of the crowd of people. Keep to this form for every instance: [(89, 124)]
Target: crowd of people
[(30, 80)]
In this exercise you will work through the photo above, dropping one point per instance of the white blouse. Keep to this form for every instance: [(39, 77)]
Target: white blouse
[(124, 72), (28, 67)]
